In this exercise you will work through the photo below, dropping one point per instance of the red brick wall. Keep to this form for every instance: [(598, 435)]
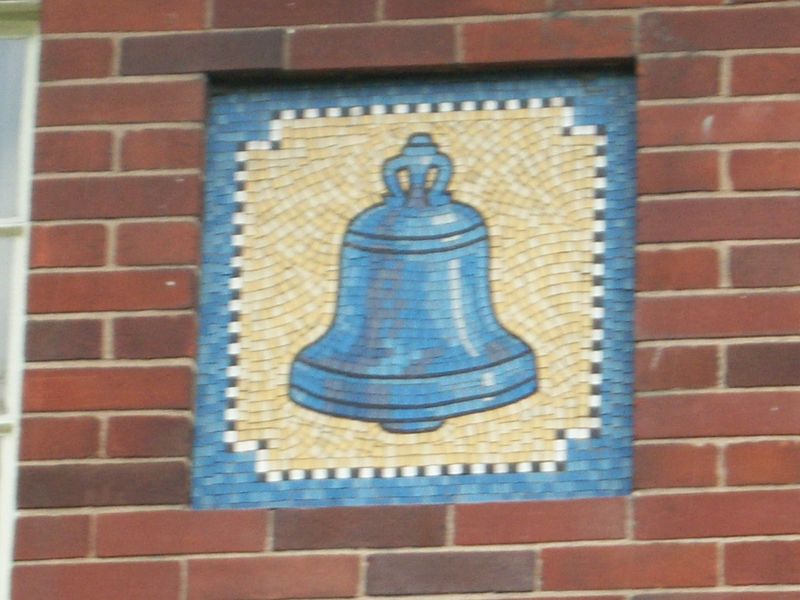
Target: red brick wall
[(103, 486)]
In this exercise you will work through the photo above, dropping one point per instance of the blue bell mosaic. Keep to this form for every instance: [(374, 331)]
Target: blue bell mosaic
[(415, 339), (417, 291)]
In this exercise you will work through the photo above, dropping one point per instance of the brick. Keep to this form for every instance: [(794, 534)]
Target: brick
[(158, 243), (717, 316), (205, 52), (771, 27), (754, 463), (631, 566), (672, 172), (770, 364), (111, 290), (256, 13), (723, 219), (766, 563), (163, 149), (118, 484), (684, 269), (68, 246), (604, 4), (765, 169), (122, 103), (718, 123), (718, 596), (765, 74), (119, 388), (83, 58), (676, 367), (58, 152), (765, 266), (524, 522), (180, 532), (274, 577), (718, 514), (449, 572), (71, 16), (116, 197), (343, 48), (149, 436), (40, 538), (718, 414), (552, 39), (425, 9), (63, 340), (360, 527), (155, 337), (51, 438), (674, 465), (678, 77), (98, 581)]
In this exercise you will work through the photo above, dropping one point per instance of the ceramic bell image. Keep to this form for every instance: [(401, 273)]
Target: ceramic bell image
[(415, 339)]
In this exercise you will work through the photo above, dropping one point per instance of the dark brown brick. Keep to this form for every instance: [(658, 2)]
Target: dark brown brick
[(181, 532), (75, 58), (72, 16), (719, 219), (256, 13), (524, 522), (718, 414), (58, 152), (149, 436), (122, 103), (111, 290), (49, 438), (116, 388), (372, 47), (163, 149), (65, 485), (632, 566), (672, 172), (425, 9), (754, 463), (552, 39), (676, 367), (155, 337), (765, 266), (449, 573), (762, 563), (765, 169), (205, 52), (63, 340), (717, 514), (274, 577), (98, 581), (116, 197), (771, 27), (770, 364), (765, 74), (68, 246), (688, 268), (64, 536), (674, 465), (158, 243), (678, 77), (361, 527), (604, 4)]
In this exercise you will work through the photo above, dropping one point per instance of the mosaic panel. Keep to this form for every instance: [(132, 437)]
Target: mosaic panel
[(417, 292)]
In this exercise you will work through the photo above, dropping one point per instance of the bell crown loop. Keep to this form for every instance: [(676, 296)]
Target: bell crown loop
[(419, 156)]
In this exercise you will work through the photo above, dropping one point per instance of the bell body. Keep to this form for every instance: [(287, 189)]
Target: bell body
[(415, 339)]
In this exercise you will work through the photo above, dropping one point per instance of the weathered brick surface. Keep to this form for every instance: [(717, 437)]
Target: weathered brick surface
[(421, 9), (257, 13), (753, 463), (63, 340), (520, 522), (49, 438), (450, 572), (74, 484), (360, 527), (765, 266), (155, 337), (674, 465), (163, 149), (765, 169), (98, 581), (274, 577), (59, 151), (40, 538), (766, 74), (72, 16), (158, 243), (676, 367), (671, 172), (180, 532), (68, 246), (75, 58), (751, 365), (762, 563), (149, 436), (677, 269), (678, 77)]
